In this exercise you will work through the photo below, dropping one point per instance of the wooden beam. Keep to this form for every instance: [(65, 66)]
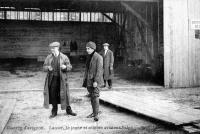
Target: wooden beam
[(122, 27), (136, 14), (124, 0), (144, 41), (81, 0)]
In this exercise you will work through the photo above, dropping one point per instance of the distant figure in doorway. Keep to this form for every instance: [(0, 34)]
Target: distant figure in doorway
[(56, 90), (108, 61), (73, 46), (93, 78)]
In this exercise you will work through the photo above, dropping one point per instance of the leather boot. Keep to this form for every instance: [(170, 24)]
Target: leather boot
[(54, 111), (70, 112), (96, 108)]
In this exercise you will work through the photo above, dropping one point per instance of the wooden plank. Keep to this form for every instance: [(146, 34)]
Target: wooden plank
[(191, 130), (163, 110), (178, 112), (5, 112), (197, 125), (138, 108)]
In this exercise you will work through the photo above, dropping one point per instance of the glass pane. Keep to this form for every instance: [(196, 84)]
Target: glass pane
[(8, 14), (13, 15), (45, 16), (50, 16), (1, 15), (100, 17), (65, 16), (97, 17), (35, 16), (73, 16), (85, 16), (106, 19), (21, 15), (26, 14), (61, 16), (56, 16)]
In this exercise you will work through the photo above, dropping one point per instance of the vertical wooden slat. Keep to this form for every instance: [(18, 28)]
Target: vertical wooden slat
[(194, 44), (176, 43)]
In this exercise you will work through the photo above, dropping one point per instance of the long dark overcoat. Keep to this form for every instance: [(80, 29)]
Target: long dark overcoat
[(108, 61), (95, 72), (64, 88)]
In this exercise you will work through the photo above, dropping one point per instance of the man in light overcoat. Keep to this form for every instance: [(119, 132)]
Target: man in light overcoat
[(108, 61), (56, 89)]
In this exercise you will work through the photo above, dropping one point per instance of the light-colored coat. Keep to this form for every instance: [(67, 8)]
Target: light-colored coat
[(95, 71), (64, 88), (108, 61)]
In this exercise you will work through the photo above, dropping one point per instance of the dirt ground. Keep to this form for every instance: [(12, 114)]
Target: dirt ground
[(29, 117)]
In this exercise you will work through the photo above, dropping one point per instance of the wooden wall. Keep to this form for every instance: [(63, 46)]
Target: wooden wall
[(194, 44), (31, 39), (181, 49)]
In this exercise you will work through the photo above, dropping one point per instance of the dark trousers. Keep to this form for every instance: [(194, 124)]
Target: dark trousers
[(54, 93), (109, 82), (94, 96)]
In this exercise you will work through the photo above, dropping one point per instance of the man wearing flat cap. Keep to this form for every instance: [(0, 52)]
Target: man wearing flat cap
[(56, 89), (93, 78), (108, 61)]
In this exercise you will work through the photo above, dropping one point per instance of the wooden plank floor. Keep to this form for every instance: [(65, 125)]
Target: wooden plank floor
[(153, 107), (7, 107)]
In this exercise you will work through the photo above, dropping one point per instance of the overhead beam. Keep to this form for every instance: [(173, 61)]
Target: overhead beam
[(82, 0), (123, 0), (135, 13)]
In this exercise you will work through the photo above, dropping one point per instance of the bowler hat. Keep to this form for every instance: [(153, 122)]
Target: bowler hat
[(106, 44), (54, 44)]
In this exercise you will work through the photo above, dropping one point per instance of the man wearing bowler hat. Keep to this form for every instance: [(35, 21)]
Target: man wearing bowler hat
[(108, 61), (56, 89), (93, 78)]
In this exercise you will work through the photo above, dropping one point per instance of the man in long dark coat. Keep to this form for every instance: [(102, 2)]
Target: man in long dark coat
[(56, 90), (93, 78), (108, 61)]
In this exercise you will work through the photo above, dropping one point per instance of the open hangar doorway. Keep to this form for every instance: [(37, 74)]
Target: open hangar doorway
[(133, 28)]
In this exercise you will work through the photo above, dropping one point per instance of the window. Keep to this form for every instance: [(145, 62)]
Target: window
[(106, 19), (26, 15), (35, 16), (197, 34), (74, 16), (1, 14), (13, 15), (58, 15), (85, 16), (45, 16), (64, 16), (21, 15), (50, 16)]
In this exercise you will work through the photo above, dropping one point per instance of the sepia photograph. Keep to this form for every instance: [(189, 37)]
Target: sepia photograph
[(99, 66)]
